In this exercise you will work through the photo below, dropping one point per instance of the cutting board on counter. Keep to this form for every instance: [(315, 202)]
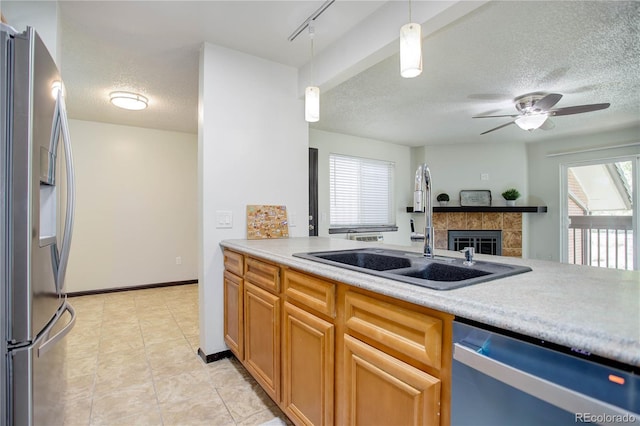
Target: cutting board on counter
[(266, 221)]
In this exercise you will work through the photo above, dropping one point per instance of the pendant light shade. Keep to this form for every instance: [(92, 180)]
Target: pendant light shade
[(410, 50), (531, 122), (312, 104)]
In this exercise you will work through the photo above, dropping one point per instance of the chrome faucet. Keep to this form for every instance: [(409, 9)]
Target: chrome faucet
[(422, 200)]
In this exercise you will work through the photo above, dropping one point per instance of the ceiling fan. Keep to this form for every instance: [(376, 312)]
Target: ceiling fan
[(535, 108)]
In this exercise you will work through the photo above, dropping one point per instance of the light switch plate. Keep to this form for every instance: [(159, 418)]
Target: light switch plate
[(224, 219)]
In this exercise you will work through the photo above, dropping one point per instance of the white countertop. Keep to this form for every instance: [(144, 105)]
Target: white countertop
[(593, 309)]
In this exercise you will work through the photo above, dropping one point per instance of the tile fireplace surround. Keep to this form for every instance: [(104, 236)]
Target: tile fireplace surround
[(509, 223)]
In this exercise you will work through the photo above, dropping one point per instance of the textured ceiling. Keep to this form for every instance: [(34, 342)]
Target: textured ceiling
[(152, 48), (587, 51)]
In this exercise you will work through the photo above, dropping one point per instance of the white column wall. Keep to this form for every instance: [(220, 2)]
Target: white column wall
[(252, 149)]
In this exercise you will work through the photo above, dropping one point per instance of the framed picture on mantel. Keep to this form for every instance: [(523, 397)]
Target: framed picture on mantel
[(473, 198)]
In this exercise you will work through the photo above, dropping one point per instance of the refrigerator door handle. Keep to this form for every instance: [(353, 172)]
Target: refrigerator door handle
[(63, 259), (51, 341)]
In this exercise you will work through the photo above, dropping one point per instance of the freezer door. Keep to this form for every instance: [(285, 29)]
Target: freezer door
[(38, 375), (35, 190)]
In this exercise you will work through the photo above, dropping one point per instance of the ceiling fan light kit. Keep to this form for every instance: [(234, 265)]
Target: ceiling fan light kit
[(535, 108), (531, 122)]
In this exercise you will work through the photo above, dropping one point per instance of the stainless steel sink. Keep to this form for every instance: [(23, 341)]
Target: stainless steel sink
[(439, 273)]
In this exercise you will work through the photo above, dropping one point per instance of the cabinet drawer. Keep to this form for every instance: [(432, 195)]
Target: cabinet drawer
[(233, 262), (312, 292), (262, 274), (414, 334)]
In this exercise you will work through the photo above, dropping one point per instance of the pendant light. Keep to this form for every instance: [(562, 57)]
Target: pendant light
[(410, 48), (311, 93)]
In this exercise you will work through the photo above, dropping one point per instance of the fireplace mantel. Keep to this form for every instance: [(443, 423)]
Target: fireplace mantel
[(485, 209)]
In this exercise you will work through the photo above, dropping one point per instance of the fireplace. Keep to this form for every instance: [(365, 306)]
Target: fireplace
[(485, 242), (510, 225)]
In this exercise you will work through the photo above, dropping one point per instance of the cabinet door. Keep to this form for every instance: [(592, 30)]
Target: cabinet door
[(233, 335), (262, 337), (382, 390), (308, 367)]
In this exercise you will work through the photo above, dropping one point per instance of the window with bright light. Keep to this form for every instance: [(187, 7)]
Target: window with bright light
[(361, 192)]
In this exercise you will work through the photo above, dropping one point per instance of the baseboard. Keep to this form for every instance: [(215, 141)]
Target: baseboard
[(214, 357), (137, 287)]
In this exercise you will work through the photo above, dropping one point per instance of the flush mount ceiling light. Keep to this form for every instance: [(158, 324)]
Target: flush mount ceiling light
[(128, 100), (410, 48)]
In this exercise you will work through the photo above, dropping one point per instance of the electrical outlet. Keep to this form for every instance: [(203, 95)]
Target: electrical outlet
[(179, 260), (484, 176)]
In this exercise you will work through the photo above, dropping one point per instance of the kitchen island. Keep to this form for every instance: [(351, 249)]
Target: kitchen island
[(594, 309), (335, 346)]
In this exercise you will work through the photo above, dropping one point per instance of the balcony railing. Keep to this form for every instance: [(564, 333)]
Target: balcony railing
[(605, 241)]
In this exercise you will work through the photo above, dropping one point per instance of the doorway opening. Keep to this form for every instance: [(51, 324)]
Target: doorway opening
[(601, 214)]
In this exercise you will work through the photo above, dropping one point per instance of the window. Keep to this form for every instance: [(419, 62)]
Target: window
[(361, 192)]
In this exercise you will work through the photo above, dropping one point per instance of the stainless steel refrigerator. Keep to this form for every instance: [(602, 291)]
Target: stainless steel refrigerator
[(37, 196)]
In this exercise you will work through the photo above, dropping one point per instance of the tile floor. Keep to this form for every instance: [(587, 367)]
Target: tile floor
[(131, 360)]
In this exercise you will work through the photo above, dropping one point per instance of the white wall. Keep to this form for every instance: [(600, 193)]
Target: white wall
[(136, 206), (545, 181), (459, 167), (336, 143), (252, 149)]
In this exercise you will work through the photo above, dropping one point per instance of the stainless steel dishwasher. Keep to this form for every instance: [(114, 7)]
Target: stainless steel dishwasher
[(499, 379)]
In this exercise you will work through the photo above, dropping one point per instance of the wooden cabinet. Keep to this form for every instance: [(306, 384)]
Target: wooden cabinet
[(396, 362), (233, 302), (382, 390), (308, 367), (262, 338), (332, 354), (233, 313)]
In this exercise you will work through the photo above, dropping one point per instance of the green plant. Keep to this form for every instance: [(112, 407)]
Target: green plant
[(511, 194), (443, 197)]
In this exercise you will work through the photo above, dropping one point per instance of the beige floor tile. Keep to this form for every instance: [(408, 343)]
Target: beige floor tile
[(77, 412), (149, 417), (130, 350), (264, 416), (228, 372), (123, 403), (76, 387), (120, 344), (199, 410), (121, 379), (183, 386), (244, 401)]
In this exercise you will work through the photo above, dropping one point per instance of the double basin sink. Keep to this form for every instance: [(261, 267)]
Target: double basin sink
[(439, 273)]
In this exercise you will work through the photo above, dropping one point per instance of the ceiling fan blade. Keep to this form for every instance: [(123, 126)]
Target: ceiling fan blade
[(578, 109), (547, 102), (547, 125), (496, 128), (496, 116)]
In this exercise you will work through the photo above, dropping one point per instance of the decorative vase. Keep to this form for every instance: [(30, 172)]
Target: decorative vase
[(511, 203)]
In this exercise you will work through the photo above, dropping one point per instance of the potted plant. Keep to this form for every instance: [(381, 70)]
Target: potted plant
[(443, 198), (511, 195)]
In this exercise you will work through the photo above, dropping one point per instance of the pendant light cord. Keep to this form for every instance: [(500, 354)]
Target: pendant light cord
[(311, 37)]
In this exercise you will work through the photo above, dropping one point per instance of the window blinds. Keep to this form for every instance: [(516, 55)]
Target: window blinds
[(361, 192)]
